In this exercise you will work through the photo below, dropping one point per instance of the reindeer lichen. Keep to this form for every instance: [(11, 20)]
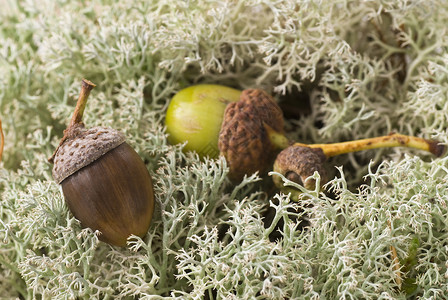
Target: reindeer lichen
[(367, 68)]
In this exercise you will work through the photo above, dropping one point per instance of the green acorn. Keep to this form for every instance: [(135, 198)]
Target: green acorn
[(195, 115)]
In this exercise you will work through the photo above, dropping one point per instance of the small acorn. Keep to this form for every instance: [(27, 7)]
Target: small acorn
[(299, 161), (104, 181)]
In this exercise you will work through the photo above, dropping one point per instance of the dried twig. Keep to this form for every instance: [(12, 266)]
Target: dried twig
[(2, 142), (396, 261)]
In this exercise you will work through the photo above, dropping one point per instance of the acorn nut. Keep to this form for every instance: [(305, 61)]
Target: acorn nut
[(104, 181), (195, 114)]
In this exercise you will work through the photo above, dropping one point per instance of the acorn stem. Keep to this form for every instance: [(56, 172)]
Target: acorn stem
[(277, 139), (391, 140), (76, 121), (2, 143), (86, 87)]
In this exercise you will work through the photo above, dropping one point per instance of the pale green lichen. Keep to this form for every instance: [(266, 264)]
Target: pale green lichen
[(367, 67)]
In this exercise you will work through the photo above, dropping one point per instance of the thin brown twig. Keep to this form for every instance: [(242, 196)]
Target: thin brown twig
[(396, 261), (2, 143)]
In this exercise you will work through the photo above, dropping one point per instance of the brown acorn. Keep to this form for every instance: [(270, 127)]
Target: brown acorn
[(104, 181)]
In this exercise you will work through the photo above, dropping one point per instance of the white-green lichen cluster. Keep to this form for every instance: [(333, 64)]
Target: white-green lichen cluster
[(367, 67)]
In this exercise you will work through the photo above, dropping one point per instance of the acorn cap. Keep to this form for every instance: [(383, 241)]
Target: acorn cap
[(263, 107), (243, 139), (297, 163), (82, 147)]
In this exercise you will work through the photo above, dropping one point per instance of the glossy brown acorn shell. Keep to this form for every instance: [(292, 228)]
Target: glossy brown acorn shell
[(113, 194)]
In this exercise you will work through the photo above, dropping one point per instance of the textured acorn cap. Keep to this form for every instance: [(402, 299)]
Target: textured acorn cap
[(297, 163), (82, 148), (243, 139), (263, 107)]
